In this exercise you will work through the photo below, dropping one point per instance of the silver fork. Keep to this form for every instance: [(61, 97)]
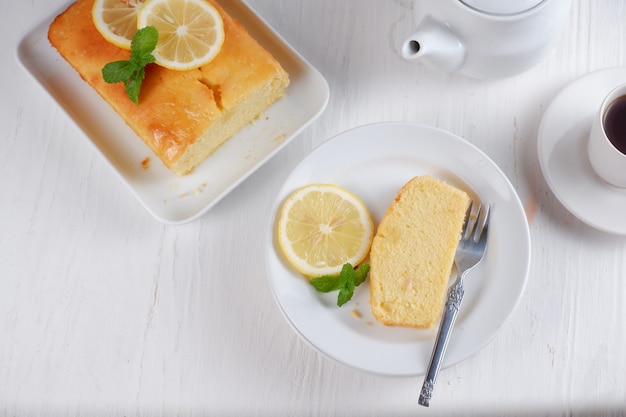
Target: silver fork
[(470, 251)]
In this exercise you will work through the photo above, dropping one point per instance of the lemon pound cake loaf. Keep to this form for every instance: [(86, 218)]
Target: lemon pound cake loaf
[(183, 116), (413, 252)]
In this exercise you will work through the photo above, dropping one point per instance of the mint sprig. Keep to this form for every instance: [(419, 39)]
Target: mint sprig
[(348, 279), (132, 71)]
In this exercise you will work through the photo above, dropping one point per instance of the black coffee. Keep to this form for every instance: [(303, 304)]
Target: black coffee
[(615, 123)]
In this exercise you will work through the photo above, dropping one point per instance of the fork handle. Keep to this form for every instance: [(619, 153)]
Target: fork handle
[(453, 302)]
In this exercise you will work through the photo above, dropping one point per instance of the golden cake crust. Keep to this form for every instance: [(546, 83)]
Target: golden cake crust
[(183, 116), (413, 251)]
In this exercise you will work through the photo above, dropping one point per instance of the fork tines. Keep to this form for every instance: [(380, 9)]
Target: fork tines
[(477, 220)]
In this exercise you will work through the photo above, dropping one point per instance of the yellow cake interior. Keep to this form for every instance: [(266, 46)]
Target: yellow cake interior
[(413, 252)]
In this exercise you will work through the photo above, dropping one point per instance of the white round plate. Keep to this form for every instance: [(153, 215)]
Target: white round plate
[(374, 162), (562, 148)]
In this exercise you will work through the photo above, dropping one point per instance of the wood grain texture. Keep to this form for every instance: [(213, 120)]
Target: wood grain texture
[(105, 311)]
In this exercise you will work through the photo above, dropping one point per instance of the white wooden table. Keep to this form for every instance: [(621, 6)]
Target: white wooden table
[(106, 311)]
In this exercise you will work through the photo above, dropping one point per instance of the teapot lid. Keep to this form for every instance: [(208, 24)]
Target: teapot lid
[(502, 7)]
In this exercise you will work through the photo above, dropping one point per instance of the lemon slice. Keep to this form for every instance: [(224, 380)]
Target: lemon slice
[(323, 226), (191, 32), (116, 20)]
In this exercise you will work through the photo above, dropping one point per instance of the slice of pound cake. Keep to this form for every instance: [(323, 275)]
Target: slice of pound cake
[(183, 116), (413, 252)]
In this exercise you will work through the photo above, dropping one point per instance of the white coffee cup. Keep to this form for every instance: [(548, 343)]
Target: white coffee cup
[(606, 139)]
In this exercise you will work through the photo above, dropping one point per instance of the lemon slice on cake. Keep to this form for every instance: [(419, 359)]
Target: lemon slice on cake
[(323, 226), (191, 32), (116, 20)]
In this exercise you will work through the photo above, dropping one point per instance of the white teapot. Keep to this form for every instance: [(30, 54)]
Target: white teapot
[(485, 39)]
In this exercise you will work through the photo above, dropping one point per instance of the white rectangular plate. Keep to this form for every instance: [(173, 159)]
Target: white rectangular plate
[(170, 198)]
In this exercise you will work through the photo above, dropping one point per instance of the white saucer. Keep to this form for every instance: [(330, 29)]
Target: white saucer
[(373, 162), (562, 148)]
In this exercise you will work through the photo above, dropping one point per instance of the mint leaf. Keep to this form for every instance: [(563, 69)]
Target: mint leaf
[(142, 45), (347, 285), (133, 85), (346, 292), (145, 40), (361, 274), (326, 283), (132, 72), (347, 280), (117, 72)]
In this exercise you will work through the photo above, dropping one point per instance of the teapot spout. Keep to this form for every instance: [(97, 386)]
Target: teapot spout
[(435, 45)]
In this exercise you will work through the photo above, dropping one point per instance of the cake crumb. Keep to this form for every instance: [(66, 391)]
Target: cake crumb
[(356, 313), (145, 164)]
